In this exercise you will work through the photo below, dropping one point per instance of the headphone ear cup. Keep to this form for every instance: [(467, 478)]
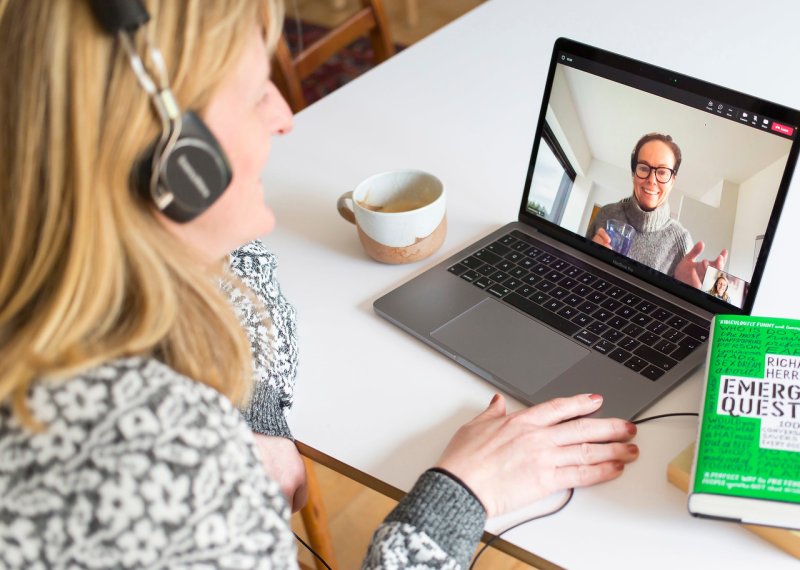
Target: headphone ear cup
[(195, 172)]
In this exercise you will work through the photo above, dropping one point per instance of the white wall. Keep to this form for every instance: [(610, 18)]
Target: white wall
[(576, 205), (709, 224), (609, 184), (754, 206), (563, 118)]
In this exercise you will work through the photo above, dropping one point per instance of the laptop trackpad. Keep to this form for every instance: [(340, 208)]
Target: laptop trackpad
[(512, 347)]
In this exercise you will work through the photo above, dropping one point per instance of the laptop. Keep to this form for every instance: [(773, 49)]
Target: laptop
[(543, 307)]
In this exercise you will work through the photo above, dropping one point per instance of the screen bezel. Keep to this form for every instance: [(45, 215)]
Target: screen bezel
[(669, 79)]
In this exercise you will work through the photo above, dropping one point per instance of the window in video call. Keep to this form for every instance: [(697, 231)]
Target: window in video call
[(722, 193)]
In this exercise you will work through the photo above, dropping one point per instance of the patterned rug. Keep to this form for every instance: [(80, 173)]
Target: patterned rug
[(343, 67)]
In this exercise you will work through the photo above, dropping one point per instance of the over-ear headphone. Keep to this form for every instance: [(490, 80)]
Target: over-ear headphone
[(186, 170)]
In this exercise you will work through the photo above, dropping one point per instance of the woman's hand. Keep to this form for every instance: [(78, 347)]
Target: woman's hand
[(510, 461), (602, 238), (691, 271), (283, 464)]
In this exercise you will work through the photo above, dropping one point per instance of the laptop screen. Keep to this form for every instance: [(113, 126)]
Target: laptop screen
[(673, 179)]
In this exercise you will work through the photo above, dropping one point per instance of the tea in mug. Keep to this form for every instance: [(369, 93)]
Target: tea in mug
[(401, 204)]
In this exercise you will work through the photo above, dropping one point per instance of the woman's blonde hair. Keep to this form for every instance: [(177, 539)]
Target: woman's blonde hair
[(87, 273)]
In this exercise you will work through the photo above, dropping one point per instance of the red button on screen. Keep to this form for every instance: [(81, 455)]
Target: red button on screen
[(783, 129)]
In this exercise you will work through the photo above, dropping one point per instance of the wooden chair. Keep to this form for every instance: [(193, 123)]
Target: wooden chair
[(289, 71), (315, 520)]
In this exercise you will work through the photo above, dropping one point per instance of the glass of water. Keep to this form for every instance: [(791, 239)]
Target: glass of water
[(621, 235)]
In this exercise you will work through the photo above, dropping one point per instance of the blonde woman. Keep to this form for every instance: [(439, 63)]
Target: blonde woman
[(720, 288), (122, 363)]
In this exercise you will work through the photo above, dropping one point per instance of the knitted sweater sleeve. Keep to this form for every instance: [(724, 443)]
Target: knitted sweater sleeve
[(270, 322), (437, 525)]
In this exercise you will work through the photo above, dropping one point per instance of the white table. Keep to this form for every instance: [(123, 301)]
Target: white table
[(463, 104)]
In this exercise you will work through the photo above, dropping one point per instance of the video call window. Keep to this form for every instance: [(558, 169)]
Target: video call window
[(722, 194)]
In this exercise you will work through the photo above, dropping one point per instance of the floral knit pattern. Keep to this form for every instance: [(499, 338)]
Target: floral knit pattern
[(138, 467), (270, 322), (397, 545)]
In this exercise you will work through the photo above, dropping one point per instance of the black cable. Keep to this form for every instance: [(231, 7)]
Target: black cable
[(570, 493), (311, 550), (658, 417)]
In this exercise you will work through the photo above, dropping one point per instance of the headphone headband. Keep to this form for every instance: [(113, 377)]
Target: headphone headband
[(186, 169), (120, 15)]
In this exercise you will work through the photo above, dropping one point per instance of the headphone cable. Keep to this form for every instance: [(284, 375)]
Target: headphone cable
[(660, 416), (311, 550), (565, 502)]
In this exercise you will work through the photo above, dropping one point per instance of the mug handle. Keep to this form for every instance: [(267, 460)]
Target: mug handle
[(345, 209)]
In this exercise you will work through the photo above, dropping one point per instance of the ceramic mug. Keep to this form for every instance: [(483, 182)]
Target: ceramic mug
[(399, 215)]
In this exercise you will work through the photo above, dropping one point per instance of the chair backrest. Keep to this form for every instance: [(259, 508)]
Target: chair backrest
[(288, 71)]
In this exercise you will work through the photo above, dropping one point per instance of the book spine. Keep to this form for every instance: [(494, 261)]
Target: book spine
[(703, 400)]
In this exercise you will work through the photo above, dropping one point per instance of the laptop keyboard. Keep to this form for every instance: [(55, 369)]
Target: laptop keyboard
[(628, 325)]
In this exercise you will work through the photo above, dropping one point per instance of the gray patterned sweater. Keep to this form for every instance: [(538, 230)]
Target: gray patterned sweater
[(141, 467), (660, 242)]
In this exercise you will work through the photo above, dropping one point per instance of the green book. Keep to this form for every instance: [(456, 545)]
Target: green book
[(747, 458)]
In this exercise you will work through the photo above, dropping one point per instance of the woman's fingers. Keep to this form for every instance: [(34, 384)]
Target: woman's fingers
[(283, 464), (586, 475), (496, 408), (592, 430), (695, 252), (559, 410), (719, 262), (602, 238), (595, 454)]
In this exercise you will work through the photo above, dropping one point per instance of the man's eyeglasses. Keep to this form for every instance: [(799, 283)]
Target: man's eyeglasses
[(663, 174)]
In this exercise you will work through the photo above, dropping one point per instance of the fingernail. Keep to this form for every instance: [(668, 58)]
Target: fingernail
[(632, 429), (595, 397), (633, 449), (619, 465), (494, 399)]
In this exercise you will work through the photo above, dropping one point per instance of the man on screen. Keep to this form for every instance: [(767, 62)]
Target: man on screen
[(659, 241)]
